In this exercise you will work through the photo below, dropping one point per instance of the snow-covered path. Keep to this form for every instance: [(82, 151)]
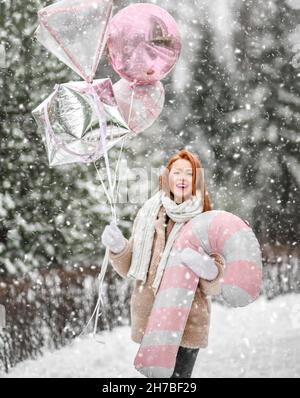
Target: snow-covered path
[(261, 340)]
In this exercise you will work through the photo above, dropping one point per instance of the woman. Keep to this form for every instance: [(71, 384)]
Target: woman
[(176, 203)]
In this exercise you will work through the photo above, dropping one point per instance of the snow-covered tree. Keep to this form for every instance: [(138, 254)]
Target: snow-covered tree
[(268, 118), (48, 216)]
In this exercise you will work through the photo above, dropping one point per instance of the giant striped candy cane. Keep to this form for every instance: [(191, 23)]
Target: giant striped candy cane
[(231, 237), (217, 232)]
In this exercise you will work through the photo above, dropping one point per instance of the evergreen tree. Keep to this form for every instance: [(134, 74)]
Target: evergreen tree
[(48, 216), (269, 96)]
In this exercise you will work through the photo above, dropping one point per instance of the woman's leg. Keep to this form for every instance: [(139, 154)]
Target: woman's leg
[(185, 361)]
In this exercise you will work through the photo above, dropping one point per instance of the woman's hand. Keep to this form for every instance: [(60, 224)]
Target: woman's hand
[(200, 263), (113, 238)]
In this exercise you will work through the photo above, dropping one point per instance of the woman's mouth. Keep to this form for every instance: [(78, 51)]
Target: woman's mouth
[(181, 186)]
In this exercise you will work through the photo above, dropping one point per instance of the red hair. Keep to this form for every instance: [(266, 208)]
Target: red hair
[(196, 165)]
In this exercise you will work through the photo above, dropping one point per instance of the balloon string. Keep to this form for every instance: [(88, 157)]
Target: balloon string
[(100, 288), (102, 125), (104, 188), (96, 313), (131, 105), (101, 276), (116, 190), (123, 143), (116, 185)]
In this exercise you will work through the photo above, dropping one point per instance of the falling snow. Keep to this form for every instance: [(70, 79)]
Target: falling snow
[(234, 99)]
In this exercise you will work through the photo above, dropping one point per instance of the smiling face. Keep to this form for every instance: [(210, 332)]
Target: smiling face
[(180, 180)]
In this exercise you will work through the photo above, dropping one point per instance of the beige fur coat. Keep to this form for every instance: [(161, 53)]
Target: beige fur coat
[(197, 327)]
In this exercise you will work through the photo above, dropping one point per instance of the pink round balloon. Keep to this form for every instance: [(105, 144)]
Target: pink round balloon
[(143, 43), (139, 105)]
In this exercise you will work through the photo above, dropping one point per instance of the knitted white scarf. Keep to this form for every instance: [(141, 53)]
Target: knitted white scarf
[(143, 233)]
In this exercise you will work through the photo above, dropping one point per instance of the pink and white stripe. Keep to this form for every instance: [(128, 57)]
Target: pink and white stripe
[(215, 231)]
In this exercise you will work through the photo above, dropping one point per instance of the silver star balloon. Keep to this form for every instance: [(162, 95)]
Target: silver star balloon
[(72, 118)]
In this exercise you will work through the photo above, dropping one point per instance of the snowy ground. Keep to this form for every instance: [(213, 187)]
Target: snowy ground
[(261, 340)]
